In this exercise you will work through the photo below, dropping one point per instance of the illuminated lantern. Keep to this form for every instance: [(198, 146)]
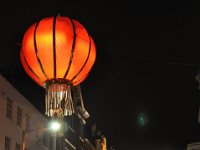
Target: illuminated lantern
[(57, 53)]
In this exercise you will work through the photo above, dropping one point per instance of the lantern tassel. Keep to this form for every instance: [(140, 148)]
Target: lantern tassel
[(58, 100)]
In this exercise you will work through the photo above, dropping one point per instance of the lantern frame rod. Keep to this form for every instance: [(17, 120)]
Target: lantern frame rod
[(72, 50)]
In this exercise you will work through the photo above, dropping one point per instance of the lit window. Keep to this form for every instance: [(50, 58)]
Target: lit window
[(19, 116), (27, 122), (9, 108), (7, 143), (17, 146)]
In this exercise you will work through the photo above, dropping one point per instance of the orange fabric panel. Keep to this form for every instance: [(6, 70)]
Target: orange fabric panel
[(28, 71), (64, 36), (44, 42), (88, 65), (75, 83), (81, 50), (64, 40), (29, 52)]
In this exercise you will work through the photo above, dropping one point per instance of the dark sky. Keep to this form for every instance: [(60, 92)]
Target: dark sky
[(141, 91)]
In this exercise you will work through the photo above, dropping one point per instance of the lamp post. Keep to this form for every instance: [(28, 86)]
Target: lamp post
[(23, 137), (23, 141)]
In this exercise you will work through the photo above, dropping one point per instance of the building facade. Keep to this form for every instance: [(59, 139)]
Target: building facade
[(18, 116), (22, 124), (193, 146)]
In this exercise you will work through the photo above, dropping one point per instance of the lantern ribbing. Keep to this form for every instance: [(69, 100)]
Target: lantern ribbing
[(58, 53)]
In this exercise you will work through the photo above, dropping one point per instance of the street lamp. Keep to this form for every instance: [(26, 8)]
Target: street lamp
[(54, 126)]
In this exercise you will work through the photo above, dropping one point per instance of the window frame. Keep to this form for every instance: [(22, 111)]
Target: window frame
[(17, 146), (9, 108), (19, 116), (7, 143)]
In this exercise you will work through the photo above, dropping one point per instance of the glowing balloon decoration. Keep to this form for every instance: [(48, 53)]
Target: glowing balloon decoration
[(57, 53)]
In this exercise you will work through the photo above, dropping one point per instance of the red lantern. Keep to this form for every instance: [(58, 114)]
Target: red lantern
[(57, 53)]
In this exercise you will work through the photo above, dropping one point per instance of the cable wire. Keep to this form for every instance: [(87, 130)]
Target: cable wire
[(120, 52)]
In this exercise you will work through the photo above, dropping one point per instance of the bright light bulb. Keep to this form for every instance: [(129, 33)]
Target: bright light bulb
[(55, 126)]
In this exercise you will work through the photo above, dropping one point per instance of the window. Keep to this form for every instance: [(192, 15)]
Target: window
[(9, 108), (19, 116), (27, 122), (7, 143), (17, 146)]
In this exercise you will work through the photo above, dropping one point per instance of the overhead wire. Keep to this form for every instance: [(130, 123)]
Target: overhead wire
[(123, 53), (127, 54)]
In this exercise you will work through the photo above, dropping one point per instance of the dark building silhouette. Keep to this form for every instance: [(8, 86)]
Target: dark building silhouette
[(73, 135)]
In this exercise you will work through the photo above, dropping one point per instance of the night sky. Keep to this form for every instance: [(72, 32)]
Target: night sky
[(141, 91)]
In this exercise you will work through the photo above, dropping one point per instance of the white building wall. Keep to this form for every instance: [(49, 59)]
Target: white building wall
[(33, 138), (193, 146)]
